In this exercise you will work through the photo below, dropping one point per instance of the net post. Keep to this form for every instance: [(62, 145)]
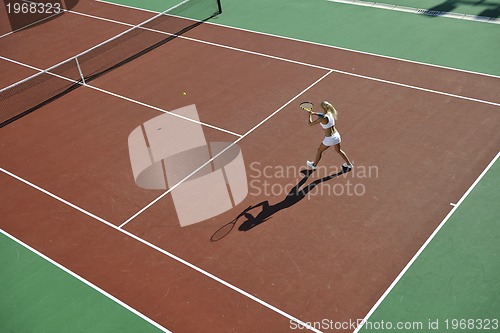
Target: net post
[(79, 70), (220, 6)]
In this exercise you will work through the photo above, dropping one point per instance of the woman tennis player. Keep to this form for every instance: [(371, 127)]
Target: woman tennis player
[(332, 136)]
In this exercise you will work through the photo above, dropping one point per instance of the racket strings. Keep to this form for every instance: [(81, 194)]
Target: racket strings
[(308, 106)]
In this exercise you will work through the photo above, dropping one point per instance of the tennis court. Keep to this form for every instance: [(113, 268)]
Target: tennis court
[(421, 136)]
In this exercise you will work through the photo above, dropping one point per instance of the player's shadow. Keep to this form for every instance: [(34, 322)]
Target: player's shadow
[(267, 210), (296, 194)]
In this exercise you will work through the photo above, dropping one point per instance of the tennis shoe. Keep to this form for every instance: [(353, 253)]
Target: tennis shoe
[(347, 166), (310, 165)]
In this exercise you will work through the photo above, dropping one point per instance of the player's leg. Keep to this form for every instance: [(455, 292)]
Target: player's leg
[(343, 155), (319, 153)]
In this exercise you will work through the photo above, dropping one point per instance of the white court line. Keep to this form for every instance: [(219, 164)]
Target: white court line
[(284, 59), (81, 210), (319, 44), (224, 150), (203, 42), (292, 61), (122, 97), (88, 283), (298, 62), (137, 238), (161, 110), (29, 25), (172, 256), (455, 207), (101, 43)]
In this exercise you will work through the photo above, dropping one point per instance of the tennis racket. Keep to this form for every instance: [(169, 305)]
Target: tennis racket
[(307, 106), (223, 231), (226, 228)]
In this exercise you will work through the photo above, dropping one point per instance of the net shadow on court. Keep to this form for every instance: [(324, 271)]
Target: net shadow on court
[(24, 97)]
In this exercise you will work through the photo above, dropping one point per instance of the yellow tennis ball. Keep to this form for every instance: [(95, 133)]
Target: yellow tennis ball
[(184, 93)]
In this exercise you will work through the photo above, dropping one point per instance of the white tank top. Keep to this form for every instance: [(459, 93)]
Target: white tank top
[(331, 121)]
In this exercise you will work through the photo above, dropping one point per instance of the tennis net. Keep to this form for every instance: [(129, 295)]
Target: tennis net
[(39, 89)]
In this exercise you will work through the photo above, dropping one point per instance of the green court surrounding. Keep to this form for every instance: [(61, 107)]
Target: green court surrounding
[(434, 40), (439, 41), (456, 275), (38, 296)]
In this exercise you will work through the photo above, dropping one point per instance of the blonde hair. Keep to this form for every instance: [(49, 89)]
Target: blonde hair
[(329, 107)]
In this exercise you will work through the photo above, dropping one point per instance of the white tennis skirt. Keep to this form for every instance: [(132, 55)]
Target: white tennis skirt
[(332, 140)]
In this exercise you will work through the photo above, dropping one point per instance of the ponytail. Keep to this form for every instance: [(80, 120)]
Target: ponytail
[(328, 106)]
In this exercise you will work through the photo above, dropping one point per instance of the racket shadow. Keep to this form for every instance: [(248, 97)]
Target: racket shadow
[(267, 210)]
